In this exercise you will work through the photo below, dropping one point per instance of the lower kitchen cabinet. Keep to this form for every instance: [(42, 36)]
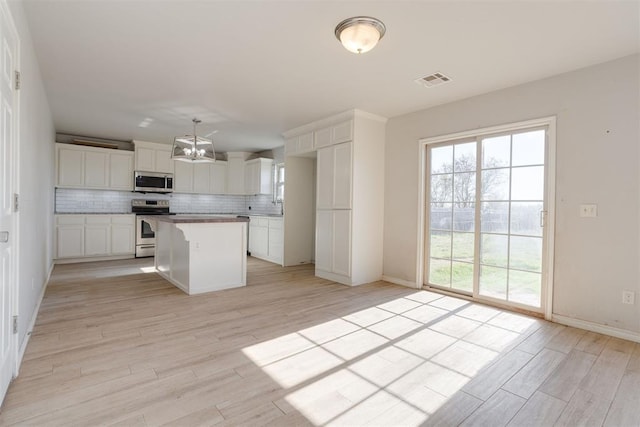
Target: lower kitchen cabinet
[(333, 244), (91, 236), (266, 238)]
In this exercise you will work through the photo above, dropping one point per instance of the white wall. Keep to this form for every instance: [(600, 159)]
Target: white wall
[(36, 151), (598, 161)]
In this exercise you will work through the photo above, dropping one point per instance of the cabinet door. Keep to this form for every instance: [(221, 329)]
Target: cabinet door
[(96, 170), (235, 176), (163, 161), (323, 137), (342, 132), (69, 241), (218, 182), (324, 177), (275, 240), (251, 178), (145, 159), (97, 240), (324, 240), (183, 178), (305, 143), (201, 177), (122, 239), (121, 171), (342, 176), (70, 168), (341, 250)]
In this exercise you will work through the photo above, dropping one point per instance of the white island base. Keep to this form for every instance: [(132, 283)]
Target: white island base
[(201, 254)]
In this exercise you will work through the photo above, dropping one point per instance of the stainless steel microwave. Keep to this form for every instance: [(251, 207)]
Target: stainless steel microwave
[(153, 182)]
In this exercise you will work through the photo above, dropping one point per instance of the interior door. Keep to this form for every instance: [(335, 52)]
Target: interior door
[(7, 188)]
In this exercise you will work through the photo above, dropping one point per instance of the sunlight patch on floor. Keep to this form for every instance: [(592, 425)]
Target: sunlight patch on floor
[(395, 363), (147, 269)]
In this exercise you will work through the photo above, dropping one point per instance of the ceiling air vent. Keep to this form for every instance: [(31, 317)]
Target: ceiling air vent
[(434, 79)]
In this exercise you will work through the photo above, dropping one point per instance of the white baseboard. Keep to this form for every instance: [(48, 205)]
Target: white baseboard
[(400, 282), (92, 259), (32, 322), (596, 327)]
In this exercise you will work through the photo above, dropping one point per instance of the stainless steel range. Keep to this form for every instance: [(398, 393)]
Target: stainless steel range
[(145, 236)]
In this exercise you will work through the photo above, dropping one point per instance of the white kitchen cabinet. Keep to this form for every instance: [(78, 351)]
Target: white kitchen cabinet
[(183, 177), (266, 238), (336, 134), (121, 171), (300, 144), (235, 172), (349, 198), (259, 236), (123, 234), (69, 236), (257, 176), (333, 242), (218, 178), (153, 157), (201, 178), (93, 168), (94, 236), (276, 239), (334, 185)]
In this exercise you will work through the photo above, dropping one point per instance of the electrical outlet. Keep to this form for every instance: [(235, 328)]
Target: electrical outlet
[(588, 211), (628, 297)]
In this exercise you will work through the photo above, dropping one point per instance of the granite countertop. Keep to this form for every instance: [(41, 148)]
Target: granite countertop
[(187, 219)]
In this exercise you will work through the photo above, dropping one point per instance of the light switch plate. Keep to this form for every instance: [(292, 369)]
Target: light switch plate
[(588, 211)]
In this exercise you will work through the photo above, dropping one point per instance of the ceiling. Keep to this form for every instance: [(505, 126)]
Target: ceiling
[(254, 69)]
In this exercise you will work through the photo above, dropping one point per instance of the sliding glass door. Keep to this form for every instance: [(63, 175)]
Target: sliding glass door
[(486, 213)]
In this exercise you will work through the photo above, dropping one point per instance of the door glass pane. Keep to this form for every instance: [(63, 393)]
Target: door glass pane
[(440, 272), (495, 184), (528, 148), (527, 183), (464, 189), (462, 276), (496, 152), (442, 159), (441, 244), (440, 215), (494, 217), (463, 246), (464, 218), (493, 282), (525, 218), (494, 250), (465, 157), (525, 253), (442, 188), (524, 287)]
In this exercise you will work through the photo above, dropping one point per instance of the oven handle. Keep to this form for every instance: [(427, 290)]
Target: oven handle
[(146, 246)]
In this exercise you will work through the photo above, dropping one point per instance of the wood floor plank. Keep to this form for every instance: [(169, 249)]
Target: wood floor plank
[(115, 344)]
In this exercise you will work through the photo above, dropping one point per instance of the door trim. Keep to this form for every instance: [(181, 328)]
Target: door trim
[(550, 123)]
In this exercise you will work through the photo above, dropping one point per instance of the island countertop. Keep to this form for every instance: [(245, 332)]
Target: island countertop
[(192, 219)]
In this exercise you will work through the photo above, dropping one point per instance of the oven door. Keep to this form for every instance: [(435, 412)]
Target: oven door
[(144, 232)]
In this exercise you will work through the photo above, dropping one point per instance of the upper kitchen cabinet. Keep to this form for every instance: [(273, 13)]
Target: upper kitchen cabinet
[(153, 157), (93, 168), (257, 176), (300, 144), (334, 134), (334, 171), (235, 172), (200, 178)]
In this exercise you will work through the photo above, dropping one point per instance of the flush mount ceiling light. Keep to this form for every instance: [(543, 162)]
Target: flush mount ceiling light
[(360, 34), (193, 148)]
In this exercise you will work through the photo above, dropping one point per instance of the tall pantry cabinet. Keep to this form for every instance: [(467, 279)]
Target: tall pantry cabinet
[(349, 205)]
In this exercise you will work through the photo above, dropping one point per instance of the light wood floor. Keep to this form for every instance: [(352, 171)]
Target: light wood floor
[(115, 345)]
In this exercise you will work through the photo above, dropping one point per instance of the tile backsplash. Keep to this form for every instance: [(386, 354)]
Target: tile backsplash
[(105, 201)]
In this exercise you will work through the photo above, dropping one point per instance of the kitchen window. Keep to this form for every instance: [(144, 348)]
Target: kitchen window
[(278, 183)]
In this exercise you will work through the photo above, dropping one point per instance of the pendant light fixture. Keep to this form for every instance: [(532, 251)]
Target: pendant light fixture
[(360, 34), (193, 148)]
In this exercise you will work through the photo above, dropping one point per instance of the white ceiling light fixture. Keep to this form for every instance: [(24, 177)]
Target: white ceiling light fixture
[(193, 148), (360, 34)]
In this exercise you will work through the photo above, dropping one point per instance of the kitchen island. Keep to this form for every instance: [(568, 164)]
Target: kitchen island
[(201, 253)]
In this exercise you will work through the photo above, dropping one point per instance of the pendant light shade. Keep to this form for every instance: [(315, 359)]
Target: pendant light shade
[(360, 34), (192, 148)]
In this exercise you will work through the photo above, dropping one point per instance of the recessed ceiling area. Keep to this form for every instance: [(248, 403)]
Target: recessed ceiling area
[(251, 70)]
